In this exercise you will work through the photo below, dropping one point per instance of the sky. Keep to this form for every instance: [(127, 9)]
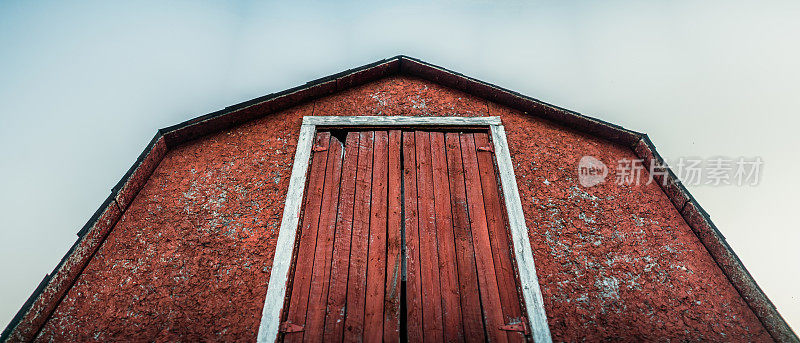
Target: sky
[(85, 85)]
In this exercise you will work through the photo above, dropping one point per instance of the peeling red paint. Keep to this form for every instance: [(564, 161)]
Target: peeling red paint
[(189, 258)]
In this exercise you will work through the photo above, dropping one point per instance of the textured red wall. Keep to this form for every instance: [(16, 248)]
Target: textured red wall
[(190, 258), (616, 260)]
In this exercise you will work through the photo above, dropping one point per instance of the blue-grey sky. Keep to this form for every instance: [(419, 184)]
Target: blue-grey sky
[(85, 85)]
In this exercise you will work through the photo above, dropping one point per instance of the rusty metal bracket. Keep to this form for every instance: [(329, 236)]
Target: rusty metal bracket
[(287, 327), (517, 327)]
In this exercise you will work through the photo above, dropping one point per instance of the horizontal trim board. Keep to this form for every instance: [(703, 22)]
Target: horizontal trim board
[(399, 121)]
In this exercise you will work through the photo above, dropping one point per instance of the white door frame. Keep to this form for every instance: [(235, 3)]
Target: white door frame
[(276, 289)]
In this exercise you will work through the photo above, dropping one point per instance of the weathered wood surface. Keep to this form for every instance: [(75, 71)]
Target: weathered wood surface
[(391, 324), (399, 121), (428, 248), (487, 279), (465, 250), (413, 279), (340, 263), (357, 276), (304, 264), (320, 273), (498, 236), (376, 254), (448, 273)]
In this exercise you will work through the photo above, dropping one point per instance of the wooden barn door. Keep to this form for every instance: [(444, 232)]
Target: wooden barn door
[(461, 284), (369, 195)]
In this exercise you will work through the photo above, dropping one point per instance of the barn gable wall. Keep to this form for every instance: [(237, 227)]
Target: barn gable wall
[(191, 254)]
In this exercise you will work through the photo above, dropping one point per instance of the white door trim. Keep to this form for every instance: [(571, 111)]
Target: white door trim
[(276, 289)]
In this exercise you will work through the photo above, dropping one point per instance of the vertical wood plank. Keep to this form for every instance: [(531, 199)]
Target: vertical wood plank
[(356, 281), (448, 271), (376, 263), (490, 298), (320, 277), (471, 313), (298, 302), (391, 325), (413, 281), (498, 236), (337, 294), (428, 247)]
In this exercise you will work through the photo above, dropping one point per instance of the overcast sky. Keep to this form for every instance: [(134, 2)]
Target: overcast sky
[(84, 86)]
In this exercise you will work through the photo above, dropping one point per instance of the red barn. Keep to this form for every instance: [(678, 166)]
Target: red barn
[(398, 201)]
